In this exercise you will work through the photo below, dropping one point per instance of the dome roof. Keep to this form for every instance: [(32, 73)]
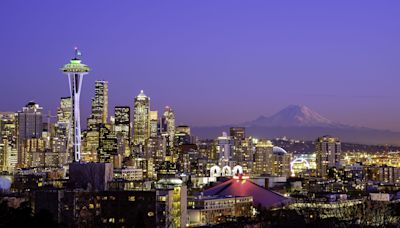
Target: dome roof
[(278, 150)]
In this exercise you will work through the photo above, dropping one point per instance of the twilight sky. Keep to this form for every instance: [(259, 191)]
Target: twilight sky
[(213, 61)]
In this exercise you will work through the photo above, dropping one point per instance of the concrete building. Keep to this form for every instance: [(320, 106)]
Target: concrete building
[(328, 151)]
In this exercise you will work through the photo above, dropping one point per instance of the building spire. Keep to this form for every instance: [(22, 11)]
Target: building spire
[(77, 53)]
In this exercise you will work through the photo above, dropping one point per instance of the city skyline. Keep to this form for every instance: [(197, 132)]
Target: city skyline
[(198, 64), (200, 113)]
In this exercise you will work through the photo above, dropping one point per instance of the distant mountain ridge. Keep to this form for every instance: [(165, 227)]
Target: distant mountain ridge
[(293, 116), (301, 122)]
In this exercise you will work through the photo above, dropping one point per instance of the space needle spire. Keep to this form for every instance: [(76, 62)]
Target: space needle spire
[(75, 70)]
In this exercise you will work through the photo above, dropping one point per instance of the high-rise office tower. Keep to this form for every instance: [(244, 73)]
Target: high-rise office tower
[(30, 121), (123, 121), (141, 119), (61, 143), (33, 153), (224, 149), (238, 136), (64, 111), (328, 151), (99, 104), (238, 133), (75, 70), (262, 157), (64, 120), (153, 123), (108, 144), (280, 162), (168, 124), (8, 141), (182, 135), (122, 127), (30, 125), (90, 144)]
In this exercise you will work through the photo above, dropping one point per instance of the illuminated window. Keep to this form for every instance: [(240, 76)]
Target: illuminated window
[(131, 198)]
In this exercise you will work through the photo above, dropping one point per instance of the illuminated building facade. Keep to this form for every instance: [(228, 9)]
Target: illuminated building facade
[(30, 125), (238, 133), (153, 118), (168, 124), (224, 149), (280, 163), (90, 145), (99, 104), (141, 119), (122, 129), (212, 210), (123, 121), (262, 157), (172, 197), (182, 135), (33, 153), (328, 151), (8, 141), (108, 144), (62, 142)]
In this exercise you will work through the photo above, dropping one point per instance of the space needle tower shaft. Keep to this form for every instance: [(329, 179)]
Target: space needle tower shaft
[(75, 70)]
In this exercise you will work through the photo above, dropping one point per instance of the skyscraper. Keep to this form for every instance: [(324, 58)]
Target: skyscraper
[(30, 125), (224, 149), (123, 121), (64, 120), (168, 124), (8, 141), (262, 157), (141, 119), (30, 121), (99, 104), (153, 123), (108, 144), (238, 133), (238, 136), (75, 71), (62, 142), (328, 151), (123, 129)]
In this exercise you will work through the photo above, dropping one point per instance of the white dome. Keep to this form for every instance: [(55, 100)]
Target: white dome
[(278, 150)]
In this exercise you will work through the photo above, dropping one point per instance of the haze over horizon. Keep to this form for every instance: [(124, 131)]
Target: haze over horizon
[(213, 62)]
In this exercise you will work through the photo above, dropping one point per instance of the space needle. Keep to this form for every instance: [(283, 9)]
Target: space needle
[(75, 70)]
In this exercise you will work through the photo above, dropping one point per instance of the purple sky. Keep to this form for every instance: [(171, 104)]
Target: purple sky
[(214, 62)]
